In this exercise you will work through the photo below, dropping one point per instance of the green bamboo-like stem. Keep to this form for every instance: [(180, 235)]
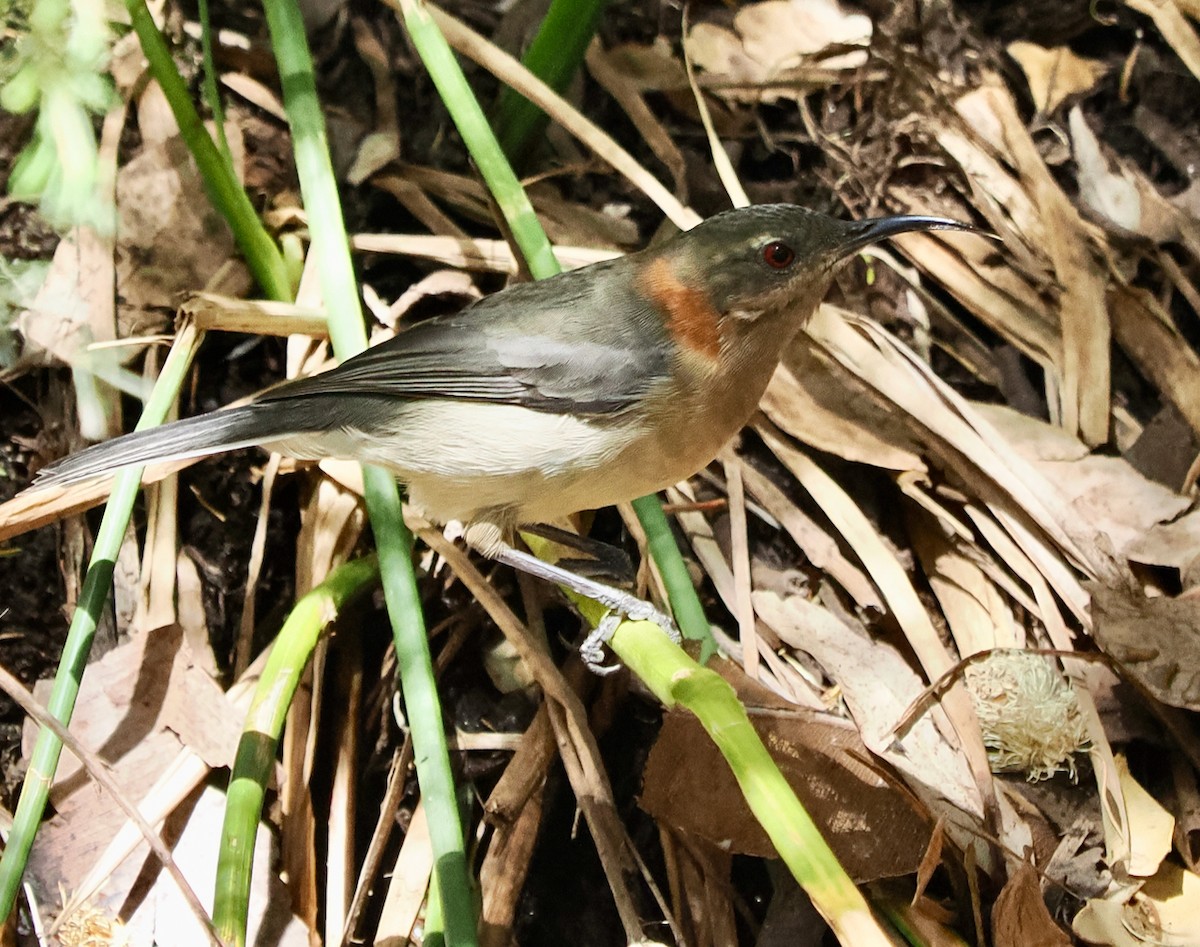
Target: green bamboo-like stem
[(473, 126), (266, 263), (261, 253), (212, 91), (392, 538), (689, 613), (96, 585), (255, 760), (554, 57), (674, 678)]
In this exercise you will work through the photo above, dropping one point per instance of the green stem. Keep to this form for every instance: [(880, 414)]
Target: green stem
[(685, 603), (554, 57), (212, 91), (224, 190), (96, 584), (255, 760), (674, 678), (392, 539)]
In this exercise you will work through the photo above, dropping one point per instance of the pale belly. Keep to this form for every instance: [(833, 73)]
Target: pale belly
[(470, 461)]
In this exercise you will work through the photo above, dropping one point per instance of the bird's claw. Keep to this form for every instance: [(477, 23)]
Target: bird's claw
[(592, 649)]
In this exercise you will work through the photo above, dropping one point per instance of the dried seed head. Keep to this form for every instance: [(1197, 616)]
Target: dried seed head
[(1028, 714)]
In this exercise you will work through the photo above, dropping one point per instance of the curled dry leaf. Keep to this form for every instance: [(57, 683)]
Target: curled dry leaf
[(1151, 827), (1174, 545), (1054, 75), (1105, 492), (771, 38), (1165, 912)]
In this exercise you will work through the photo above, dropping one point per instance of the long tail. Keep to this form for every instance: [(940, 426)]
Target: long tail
[(227, 429)]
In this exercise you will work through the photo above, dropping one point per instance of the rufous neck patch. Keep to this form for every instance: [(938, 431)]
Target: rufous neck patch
[(687, 311)]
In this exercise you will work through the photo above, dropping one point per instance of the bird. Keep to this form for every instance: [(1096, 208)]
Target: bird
[(547, 398)]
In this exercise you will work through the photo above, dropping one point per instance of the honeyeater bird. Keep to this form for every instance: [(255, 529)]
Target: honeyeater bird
[(597, 385)]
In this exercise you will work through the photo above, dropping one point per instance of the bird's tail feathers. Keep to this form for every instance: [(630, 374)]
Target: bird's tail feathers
[(228, 429)]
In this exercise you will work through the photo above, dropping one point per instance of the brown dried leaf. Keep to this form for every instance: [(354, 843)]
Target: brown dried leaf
[(140, 717), (161, 916), (1156, 640), (874, 828), (772, 37), (1020, 917), (408, 884), (1056, 74), (1175, 545), (1107, 493), (813, 399), (169, 242), (979, 616), (1151, 827), (1116, 500), (1033, 439)]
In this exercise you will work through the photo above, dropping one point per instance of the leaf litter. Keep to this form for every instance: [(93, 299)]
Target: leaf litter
[(982, 449)]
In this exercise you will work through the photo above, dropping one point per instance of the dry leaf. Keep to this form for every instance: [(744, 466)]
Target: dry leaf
[(168, 241), (1156, 640), (130, 704), (648, 68), (458, 286), (161, 917), (1032, 438), (1151, 827), (1020, 918), (815, 400), (1124, 196), (1176, 545), (1056, 74), (979, 616), (878, 686), (1164, 913), (874, 829), (1116, 500), (772, 37), (1111, 195), (1080, 353)]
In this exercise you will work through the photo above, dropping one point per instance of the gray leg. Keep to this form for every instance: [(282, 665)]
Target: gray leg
[(487, 538)]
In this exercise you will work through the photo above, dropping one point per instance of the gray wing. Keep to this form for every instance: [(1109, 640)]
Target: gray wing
[(516, 347)]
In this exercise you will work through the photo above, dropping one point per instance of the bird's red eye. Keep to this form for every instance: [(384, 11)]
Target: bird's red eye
[(778, 256)]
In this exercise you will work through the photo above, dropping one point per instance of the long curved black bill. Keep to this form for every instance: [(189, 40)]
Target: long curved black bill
[(862, 233)]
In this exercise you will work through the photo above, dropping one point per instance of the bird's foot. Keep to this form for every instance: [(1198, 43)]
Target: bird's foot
[(625, 607)]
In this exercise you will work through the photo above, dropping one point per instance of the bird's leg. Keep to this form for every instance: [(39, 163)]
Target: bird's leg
[(603, 561), (488, 538)]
